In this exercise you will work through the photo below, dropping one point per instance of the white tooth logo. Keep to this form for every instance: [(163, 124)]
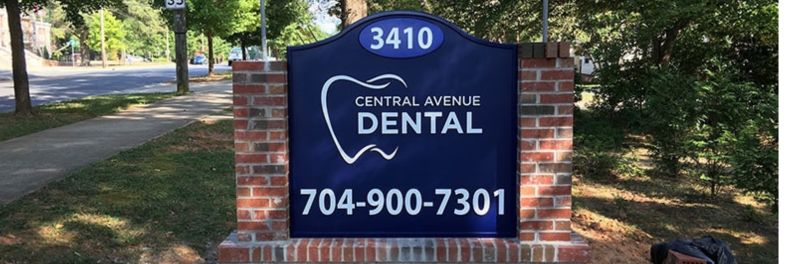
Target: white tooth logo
[(367, 84)]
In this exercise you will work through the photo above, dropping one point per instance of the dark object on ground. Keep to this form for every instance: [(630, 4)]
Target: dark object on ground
[(711, 250), (679, 258)]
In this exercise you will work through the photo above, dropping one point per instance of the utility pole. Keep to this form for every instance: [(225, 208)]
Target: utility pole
[(180, 28), (102, 36), (264, 50), (544, 21)]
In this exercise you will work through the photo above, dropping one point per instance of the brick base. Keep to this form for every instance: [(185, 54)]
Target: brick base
[(400, 250)]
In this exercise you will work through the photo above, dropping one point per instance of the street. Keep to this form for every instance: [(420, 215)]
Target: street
[(64, 83)]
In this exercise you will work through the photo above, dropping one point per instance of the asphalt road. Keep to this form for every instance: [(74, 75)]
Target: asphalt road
[(65, 83)]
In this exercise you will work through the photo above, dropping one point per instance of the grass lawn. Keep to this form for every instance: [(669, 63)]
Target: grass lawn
[(622, 216), (67, 112), (170, 200)]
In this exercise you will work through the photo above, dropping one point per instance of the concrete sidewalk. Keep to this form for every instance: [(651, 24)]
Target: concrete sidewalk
[(30, 162)]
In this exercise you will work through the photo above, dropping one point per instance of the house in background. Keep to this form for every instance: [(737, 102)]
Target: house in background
[(37, 35)]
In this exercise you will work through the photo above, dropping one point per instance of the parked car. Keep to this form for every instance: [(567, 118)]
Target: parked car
[(234, 55), (199, 59)]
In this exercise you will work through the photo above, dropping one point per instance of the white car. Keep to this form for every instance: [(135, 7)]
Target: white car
[(234, 55)]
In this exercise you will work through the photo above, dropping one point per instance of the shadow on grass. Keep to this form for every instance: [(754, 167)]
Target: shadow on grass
[(668, 209), (67, 112), (155, 203)]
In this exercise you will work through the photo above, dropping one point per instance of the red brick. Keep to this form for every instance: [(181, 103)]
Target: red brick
[(554, 213), (247, 66), (555, 121), (536, 225), (301, 248), (243, 192), (270, 100), (244, 215), (554, 190), (324, 250), (527, 168), (536, 156), (230, 255), (562, 156), (248, 88), (527, 75), (240, 124), (453, 251), (276, 89), (537, 63), (251, 158), (313, 250), (563, 201), (336, 249), (560, 144), (527, 213), (563, 225), (537, 133), (527, 190), (537, 86), (241, 100), (566, 62), (279, 180), (536, 179), (527, 145), (371, 250), (253, 203), (514, 252), (565, 86), (555, 236), (242, 169), (476, 249), (555, 167), (564, 133), (250, 135), (500, 247), (441, 250), (241, 113), (526, 202), (556, 98), (565, 109), (252, 180), (464, 249), (526, 236), (527, 122), (557, 75), (258, 225), (527, 98), (574, 254), (270, 191)]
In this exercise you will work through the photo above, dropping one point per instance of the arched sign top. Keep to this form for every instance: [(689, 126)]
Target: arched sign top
[(391, 17)]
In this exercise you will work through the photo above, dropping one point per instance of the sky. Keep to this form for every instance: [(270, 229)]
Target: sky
[(319, 10)]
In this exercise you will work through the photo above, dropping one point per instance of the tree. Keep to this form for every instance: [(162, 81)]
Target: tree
[(352, 10), (115, 34), (280, 14), (698, 78), (21, 85), (14, 9)]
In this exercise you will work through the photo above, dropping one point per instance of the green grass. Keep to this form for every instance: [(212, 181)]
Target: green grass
[(170, 200), (67, 112)]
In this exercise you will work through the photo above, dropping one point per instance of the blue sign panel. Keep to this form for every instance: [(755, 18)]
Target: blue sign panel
[(402, 125)]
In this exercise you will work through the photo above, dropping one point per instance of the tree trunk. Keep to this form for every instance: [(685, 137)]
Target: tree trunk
[(352, 10), (210, 57), (85, 53), (21, 85), (244, 50)]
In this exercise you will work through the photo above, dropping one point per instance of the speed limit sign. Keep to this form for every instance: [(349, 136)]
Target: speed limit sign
[(174, 4)]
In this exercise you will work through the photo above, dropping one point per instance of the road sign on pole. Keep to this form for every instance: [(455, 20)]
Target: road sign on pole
[(180, 28), (175, 4)]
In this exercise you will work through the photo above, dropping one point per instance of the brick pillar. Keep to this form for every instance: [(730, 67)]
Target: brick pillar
[(547, 94), (261, 161)]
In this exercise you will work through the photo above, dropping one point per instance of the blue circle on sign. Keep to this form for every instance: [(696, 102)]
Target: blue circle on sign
[(401, 37)]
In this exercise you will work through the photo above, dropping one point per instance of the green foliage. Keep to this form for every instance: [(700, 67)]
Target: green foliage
[(598, 145), (146, 31), (115, 34), (698, 78)]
